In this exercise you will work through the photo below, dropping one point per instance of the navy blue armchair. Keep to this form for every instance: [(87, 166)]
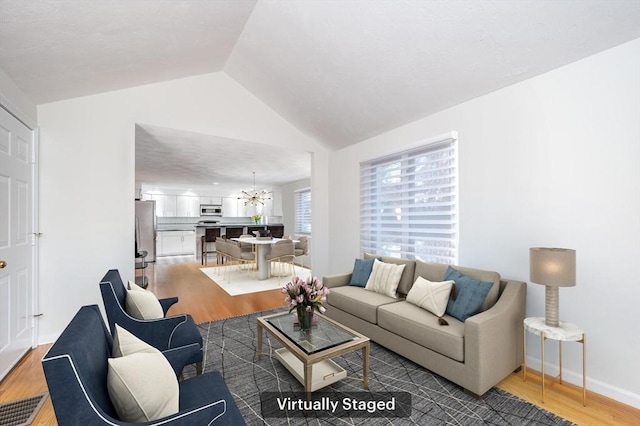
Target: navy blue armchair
[(76, 372), (163, 334)]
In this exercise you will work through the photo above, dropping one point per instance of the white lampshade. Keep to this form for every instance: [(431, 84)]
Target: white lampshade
[(552, 267)]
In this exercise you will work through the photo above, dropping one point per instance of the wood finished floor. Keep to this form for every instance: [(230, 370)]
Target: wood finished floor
[(205, 301)]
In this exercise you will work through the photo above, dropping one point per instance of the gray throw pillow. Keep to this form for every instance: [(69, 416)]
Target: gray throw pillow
[(361, 272), (469, 293)]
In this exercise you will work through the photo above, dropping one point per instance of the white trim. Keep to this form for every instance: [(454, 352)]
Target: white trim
[(12, 109)]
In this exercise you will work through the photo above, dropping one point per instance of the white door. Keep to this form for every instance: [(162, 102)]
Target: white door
[(16, 245)]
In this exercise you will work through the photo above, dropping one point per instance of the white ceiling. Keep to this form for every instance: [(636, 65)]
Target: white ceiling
[(178, 161), (339, 70)]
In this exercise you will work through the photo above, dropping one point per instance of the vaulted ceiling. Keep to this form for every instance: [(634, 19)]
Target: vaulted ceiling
[(340, 71)]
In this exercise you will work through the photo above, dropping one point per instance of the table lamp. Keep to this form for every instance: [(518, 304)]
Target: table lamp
[(552, 267)]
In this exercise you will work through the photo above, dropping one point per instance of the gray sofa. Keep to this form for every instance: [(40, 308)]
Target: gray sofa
[(475, 354)]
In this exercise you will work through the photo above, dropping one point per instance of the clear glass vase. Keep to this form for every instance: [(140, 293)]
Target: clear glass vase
[(304, 318)]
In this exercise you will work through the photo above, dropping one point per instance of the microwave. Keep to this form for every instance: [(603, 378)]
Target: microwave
[(210, 210)]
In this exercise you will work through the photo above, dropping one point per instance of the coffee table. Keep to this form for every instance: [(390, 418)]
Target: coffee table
[(307, 354)]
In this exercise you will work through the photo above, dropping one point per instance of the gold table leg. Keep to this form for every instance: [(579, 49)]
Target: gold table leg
[(542, 341), (524, 354)]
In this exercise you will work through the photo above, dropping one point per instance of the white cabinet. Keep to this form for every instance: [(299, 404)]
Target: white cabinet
[(176, 242), (188, 206), (230, 207), (166, 205), (211, 200)]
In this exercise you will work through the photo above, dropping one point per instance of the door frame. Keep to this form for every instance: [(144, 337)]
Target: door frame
[(12, 109)]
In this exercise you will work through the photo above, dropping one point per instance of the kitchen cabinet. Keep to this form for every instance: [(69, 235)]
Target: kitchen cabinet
[(166, 205), (188, 206), (211, 200), (230, 207), (176, 242)]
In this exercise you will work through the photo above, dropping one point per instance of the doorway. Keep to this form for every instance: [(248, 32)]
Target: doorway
[(18, 297)]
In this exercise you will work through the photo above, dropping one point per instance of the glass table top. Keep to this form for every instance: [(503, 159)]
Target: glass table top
[(323, 334)]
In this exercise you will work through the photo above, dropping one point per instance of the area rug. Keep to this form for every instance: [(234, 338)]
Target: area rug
[(230, 347), (21, 412), (240, 281)]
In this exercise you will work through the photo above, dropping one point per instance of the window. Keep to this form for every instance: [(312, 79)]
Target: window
[(303, 211), (408, 203)]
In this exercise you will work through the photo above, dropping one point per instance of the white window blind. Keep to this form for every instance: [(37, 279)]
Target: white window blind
[(303, 211), (408, 203)]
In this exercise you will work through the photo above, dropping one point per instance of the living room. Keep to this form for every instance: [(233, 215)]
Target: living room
[(551, 160)]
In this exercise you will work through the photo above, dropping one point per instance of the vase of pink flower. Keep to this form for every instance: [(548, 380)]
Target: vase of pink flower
[(305, 297)]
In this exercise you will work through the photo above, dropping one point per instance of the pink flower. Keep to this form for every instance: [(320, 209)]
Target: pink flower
[(309, 309), (322, 309)]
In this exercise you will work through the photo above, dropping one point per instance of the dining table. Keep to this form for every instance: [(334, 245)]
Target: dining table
[(263, 247)]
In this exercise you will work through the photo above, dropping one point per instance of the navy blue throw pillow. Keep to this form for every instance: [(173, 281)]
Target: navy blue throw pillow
[(361, 271), (470, 294)]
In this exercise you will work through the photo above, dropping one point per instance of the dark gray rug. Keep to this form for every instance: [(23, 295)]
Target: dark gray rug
[(231, 349)]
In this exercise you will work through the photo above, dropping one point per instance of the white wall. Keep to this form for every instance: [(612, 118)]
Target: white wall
[(87, 176), (551, 161)]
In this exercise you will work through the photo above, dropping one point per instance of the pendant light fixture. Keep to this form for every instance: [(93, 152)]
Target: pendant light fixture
[(254, 197)]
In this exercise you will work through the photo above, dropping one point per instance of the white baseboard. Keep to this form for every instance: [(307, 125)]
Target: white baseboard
[(593, 385)]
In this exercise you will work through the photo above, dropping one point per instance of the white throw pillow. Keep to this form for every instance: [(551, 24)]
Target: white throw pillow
[(125, 343), (432, 296), (142, 387), (384, 278), (134, 286), (143, 305)]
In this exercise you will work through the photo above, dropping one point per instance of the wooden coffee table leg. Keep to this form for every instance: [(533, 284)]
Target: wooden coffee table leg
[(259, 331), (365, 366), (307, 380)]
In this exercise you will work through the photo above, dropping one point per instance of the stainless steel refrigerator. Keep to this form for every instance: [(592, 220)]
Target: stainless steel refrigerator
[(146, 229)]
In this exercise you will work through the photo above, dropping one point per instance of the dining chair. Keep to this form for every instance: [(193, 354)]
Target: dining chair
[(282, 252)]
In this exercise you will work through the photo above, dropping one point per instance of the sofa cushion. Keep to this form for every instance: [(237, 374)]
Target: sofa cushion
[(125, 343), (407, 278), (422, 327), (143, 305), (358, 302), (470, 294), (429, 295), (142, 387), (436, 272), (384, 278), (361, 272)]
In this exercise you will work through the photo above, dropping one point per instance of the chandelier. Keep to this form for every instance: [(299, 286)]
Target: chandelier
[(254, 197)]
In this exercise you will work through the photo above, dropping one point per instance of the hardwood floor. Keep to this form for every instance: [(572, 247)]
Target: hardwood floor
[(206, 301)]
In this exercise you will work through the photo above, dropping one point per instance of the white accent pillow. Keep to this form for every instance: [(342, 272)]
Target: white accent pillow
[(125, 343), (142, 387), (431, 296), (384, 278), (143, 305), (134, 286)]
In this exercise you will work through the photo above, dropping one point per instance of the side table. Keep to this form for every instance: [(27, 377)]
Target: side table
[(564, 332)]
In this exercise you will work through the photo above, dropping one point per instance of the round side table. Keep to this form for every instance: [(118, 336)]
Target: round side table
[(564, 332)]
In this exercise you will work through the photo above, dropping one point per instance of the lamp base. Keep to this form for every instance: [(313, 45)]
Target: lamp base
[(552, 303)]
